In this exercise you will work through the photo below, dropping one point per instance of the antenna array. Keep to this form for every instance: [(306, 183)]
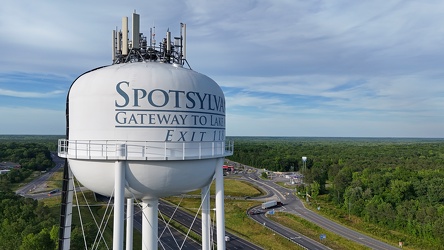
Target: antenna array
[(141, 49)]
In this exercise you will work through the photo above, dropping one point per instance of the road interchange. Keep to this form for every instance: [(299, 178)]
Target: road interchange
[(295, 206), (292, 205)]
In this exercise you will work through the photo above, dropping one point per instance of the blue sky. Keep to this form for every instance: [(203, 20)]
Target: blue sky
[(288, 68)]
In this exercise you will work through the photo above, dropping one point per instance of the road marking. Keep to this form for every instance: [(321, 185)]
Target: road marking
[(263, 183)]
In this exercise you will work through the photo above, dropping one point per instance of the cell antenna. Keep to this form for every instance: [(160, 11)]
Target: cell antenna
[(139, 49)]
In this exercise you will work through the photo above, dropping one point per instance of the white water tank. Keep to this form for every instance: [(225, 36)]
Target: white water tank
[(165, 121)]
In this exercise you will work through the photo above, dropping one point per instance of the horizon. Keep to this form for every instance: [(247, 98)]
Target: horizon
[(271, 136)]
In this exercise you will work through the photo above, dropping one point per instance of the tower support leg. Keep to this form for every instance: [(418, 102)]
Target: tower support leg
[(119, 204), (66, 209), (149, 223), (129, 223), (220, 211), (206, 218)]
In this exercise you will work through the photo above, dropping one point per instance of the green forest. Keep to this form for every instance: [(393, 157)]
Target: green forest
[(31, 156), (25, 223), (397, 184)]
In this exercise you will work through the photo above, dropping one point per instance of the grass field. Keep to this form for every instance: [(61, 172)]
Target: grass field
[(313, 231), (235, 188)]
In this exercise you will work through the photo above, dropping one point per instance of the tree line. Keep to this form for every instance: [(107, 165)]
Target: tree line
[(26, 223), (397, 184), (31, 156)]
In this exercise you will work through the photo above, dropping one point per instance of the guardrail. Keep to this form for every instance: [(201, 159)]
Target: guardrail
[(142, 150)]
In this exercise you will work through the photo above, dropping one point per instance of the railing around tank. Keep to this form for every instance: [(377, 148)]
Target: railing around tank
[(142, 150)]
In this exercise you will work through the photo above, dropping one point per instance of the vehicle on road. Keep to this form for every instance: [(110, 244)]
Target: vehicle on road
[(53, 192), (255, 211), (269, 204)]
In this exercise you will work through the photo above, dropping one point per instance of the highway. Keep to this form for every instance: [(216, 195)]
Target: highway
[(40, 181), (170, 238), (186, 219), (294, 205), (295, 237)]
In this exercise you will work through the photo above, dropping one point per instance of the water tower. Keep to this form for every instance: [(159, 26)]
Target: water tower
[(143, 128), (304, 160)]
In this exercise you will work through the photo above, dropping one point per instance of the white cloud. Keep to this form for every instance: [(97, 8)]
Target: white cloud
[(26, 94), (245, 99)]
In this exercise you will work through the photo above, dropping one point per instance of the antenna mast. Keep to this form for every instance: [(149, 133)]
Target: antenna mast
[(137, 50)]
